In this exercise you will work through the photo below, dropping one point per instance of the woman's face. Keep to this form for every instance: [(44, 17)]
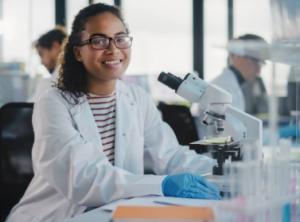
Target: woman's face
[(108, 64)]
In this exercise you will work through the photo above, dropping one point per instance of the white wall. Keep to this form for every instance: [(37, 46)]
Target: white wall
[(23, 22)]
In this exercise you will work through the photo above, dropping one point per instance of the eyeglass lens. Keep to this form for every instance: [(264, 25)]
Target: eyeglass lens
[(121, 42)]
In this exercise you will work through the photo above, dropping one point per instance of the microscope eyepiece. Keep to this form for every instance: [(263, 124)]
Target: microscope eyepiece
[(170, 80)]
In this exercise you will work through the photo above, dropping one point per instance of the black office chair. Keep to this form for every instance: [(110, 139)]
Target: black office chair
[(181, 121), (16, 140)]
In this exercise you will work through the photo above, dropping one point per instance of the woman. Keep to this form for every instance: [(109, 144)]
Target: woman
[(92, 132)]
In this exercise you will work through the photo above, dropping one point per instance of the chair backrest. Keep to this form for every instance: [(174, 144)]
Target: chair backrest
[(181, 121), (16, 140)]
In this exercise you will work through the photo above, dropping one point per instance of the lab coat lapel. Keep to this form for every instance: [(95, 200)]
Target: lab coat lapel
[(85, 122), (124, 114)]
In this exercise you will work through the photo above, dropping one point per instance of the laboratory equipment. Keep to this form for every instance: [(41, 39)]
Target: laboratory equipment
[(219, 151), (265, 191), (218, 105)]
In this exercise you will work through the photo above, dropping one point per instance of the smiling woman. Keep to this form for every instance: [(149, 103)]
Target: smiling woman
[(91, 61), (104, 65), (93, 132)]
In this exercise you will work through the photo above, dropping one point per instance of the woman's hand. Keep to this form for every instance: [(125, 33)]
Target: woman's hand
[(189, 186)]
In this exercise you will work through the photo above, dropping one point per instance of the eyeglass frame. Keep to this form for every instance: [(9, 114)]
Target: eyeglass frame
[(89, 41)]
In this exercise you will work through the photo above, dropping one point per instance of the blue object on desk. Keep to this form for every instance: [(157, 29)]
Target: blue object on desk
[(286, 213), (289, 131), (187, 185)]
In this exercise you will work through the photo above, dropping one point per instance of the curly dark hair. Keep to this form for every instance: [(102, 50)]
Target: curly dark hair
[(72, 73)]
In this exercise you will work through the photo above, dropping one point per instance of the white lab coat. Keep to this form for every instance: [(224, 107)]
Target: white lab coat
[(43, 85), (228, 81), (71, 172)]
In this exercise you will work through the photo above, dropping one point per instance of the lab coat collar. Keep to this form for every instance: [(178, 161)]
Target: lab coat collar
[(125, 111), (126, 114), (85, 122)]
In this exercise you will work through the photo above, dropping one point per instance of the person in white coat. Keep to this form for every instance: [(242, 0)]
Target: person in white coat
[(48, 46), (93, 132), (247, 55)]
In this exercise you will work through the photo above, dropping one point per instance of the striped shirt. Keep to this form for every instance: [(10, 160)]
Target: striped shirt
[(104, 112)]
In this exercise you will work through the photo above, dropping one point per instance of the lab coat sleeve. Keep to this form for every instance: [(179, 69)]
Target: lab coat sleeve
[(162, 150), (73, 166)]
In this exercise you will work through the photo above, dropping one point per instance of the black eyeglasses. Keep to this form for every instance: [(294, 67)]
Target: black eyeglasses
[(102, 42)]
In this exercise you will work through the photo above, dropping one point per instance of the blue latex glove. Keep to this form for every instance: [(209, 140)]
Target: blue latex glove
[(289, 131), (189, 186)]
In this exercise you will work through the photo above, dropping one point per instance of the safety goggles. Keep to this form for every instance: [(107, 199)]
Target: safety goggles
[(256, 61)]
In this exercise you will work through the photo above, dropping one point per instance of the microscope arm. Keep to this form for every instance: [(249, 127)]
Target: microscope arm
[(218, 103), (253, 128)]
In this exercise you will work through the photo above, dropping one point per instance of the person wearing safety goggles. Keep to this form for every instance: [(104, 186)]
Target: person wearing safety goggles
[(247, 55)]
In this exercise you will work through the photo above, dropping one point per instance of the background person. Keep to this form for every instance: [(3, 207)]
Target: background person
[(93, 132), (49, 47), (247, 55), (241, 78)]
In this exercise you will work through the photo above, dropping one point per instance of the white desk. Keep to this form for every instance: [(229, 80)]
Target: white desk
[(104, 213)]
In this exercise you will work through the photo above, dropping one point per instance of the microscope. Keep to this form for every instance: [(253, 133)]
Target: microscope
[(217, 106)]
